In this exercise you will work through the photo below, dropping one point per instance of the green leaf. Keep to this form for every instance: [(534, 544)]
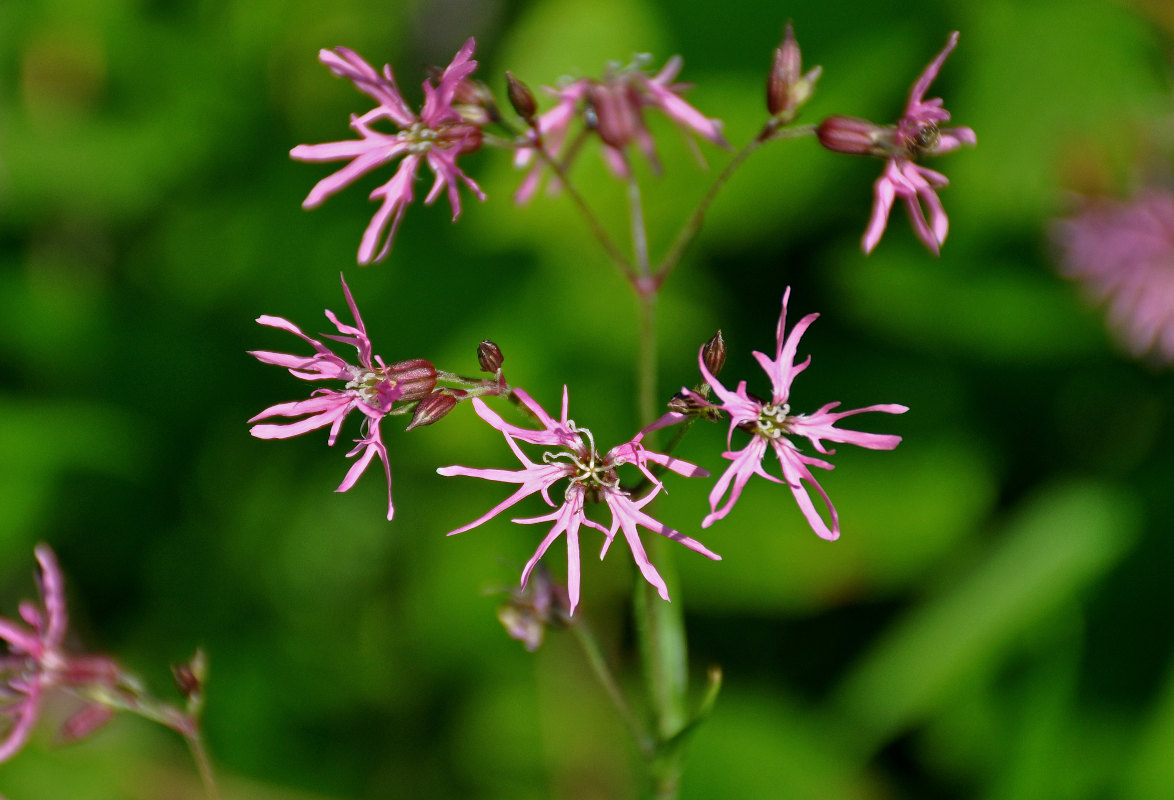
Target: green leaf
[(1059, 544)]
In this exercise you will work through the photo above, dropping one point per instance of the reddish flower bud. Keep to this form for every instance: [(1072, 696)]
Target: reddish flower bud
[(415, 378), (714, 354), (432, 408), (786, 87), (489, 357), (521, 98), (855, 136), (190, 676), (686, 404)]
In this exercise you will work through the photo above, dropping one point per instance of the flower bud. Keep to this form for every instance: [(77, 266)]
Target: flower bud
[(415, 378), (521, 98), (688, 405), (786, 88), (189, 676), (489, 357), (432, 408), (713, 353), (856, 136)]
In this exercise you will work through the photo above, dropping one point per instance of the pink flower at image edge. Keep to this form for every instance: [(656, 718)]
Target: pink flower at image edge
[(37, 662), (1122, 252)]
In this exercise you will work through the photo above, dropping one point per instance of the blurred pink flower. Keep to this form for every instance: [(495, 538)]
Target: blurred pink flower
[(532, 608), (613, 108), (37, 662), (918, 133), (1123, 254), (771, 423), (372, 388), (591, 477), (437, 135)]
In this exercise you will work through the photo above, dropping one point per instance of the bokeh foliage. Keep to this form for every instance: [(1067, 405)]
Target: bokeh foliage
[(994, 622)]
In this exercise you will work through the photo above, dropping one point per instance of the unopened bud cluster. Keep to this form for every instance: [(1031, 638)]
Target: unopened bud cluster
[(440, 401)]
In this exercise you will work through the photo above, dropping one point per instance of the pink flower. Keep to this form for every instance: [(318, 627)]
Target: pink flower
[(917, 133), (534, 607), (591, 477), (372, 388), (437, 135), (771, 424), (1123, 253), (613, 108), (37, 663)]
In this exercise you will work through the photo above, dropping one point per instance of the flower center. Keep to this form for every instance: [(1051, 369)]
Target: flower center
[(773, 420), (591, 471), (924, 140), (420, 138), (366, 385)]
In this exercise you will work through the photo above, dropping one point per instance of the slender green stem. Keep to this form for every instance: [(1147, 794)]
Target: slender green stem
[(597, 230), (660, 626), (129, 695), (203, 765), (646, 290), (639, 231), (693, 225), (647, 394), (603, 673)]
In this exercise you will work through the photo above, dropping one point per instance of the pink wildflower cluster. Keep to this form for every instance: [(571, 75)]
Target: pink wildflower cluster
[(37, 663), (371, 387), (771, 425), (1123, 254), (453, 121), (591, 477), (918, 133), (438, 135), (613, 108)]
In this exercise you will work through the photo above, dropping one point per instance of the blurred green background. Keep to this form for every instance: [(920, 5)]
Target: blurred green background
[(995, 620)]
